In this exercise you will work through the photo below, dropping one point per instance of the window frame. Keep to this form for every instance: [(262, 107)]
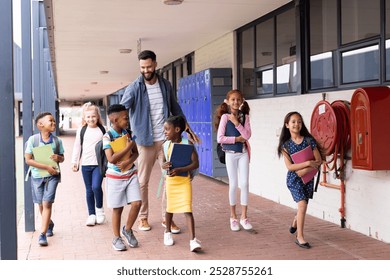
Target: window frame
[(302, 12)]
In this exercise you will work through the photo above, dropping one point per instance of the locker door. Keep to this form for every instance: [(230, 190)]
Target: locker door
[(207, 96)]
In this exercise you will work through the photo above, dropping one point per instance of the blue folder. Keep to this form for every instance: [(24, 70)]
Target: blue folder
[(181, 156), (231, 130)]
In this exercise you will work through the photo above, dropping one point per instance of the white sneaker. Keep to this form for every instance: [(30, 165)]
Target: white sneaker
[(246, 224), (91, 220), (234, 225), (195, 245), (100, 216), (168, 240)]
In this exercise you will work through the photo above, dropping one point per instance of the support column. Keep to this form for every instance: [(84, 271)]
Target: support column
[(8, 234), (28, 116)]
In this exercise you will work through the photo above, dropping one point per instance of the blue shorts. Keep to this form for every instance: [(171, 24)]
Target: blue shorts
[(44, 189)]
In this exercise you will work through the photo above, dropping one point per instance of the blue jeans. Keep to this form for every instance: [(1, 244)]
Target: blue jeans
[(93, 186)]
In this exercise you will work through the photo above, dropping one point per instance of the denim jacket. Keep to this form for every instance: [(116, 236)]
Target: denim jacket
[(136, 100)]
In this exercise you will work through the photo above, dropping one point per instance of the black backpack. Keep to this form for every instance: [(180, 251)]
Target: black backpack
[(101, 155)]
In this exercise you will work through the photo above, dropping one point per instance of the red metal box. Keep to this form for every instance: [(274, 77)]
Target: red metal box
[(370, 128)]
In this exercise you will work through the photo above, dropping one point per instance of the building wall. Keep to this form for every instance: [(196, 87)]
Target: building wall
[(217, 54), (367, 192)]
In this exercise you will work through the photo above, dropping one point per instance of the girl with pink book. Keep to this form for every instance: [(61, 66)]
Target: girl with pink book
[(293, 141)]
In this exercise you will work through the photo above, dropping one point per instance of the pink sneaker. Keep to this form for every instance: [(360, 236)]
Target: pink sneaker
[(246, 224), (234, 226)]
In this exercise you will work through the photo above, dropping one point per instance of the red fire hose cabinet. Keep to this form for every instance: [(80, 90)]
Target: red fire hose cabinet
[(370, 128)]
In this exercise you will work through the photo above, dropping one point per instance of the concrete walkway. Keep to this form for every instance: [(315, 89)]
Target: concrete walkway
[(270, 239)]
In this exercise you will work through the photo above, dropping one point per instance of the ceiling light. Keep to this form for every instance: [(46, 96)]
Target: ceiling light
[(125, 50), (172, 2), (104, 72)]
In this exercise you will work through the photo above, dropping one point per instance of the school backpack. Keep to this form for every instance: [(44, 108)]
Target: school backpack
[(36, 138), (193, 172), (101, 155)]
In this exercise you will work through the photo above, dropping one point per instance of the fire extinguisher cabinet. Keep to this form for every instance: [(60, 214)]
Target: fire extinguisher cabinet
[(370, 128)]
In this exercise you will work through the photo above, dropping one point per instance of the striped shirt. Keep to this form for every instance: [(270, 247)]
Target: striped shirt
[(156, 110)]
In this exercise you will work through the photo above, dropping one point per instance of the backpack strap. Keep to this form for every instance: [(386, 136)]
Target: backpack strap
[(57, 152), (110, 135), (165, 147), (36, 140), (35, 144), (57, 145), (163, 171), (82, 132)]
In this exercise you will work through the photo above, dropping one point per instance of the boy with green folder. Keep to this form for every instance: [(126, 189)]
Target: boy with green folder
[(43, 152)]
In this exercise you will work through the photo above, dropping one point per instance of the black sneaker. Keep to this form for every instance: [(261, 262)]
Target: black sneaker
[(49, 231), (42, 240), (130, 238)]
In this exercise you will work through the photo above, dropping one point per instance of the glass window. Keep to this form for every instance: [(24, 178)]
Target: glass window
[(323, 41), (360, 65), (247, 62), (387, 59), (170, 76), (178, 75), (265, 57), (387, 40), (265, 43), (185, 72), (265, 81), (360, 19), (286, 71)]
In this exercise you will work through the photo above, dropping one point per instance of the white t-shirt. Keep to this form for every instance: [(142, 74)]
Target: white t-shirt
[(156, 110), (91, 137)]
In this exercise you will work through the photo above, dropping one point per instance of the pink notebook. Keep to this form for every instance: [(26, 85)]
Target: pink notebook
[(302, 156)]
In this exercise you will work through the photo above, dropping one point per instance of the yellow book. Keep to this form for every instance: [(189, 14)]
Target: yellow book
[(42, 155), (118, 145)]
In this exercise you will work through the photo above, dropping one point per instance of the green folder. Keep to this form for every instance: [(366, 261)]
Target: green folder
[(42, 155)]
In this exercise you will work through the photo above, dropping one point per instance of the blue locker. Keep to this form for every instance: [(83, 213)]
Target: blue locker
[(207, 96), (191, 99), (199, 78), (199, 95)]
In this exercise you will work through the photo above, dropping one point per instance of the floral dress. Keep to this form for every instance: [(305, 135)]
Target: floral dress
[(298, 189)]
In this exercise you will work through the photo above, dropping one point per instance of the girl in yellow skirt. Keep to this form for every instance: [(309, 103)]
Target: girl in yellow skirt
[(178, 180)]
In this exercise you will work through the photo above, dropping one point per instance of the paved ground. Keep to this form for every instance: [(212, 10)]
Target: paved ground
[(270, 239)]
